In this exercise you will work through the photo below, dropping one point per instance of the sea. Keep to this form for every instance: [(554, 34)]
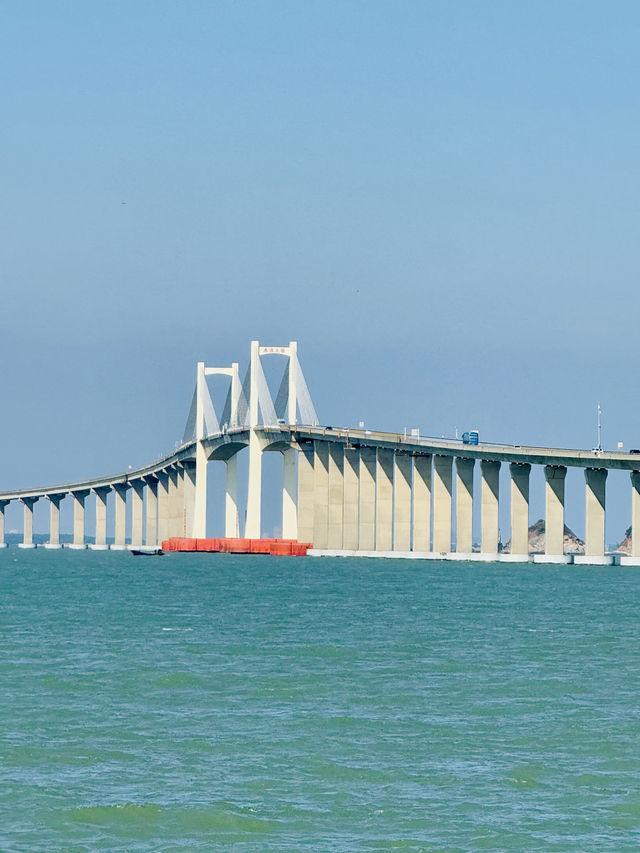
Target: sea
[(224, 702)]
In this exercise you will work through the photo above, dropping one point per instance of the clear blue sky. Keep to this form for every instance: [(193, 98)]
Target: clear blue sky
[(438, 200)]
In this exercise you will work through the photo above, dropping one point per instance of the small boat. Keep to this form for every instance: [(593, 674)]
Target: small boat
[(147, 551)]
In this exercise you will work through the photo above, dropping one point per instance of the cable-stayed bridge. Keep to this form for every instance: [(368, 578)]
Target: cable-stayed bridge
[(349, 491)]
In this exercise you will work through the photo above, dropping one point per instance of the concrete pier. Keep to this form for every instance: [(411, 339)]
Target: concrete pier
[(442, 484), (79, 497), (554, 511), (151, 511), (384, 500), (3, 505), (174, 502), (520, 475), (54, 520), (351, 499), (231, 513), (254, 495), (137, 506), (27, 529), (306, 492), (198, 525), (402, 480), (421, 503), (289, 516), (120, 505), (595, 482), (464, 505), (321, 495), (101, 494), (188, 497), (367, 521), (336, 496), (179, 505), (163, 506), (490, 489)]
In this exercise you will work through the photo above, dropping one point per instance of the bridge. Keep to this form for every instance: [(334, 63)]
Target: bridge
[(348, 491)]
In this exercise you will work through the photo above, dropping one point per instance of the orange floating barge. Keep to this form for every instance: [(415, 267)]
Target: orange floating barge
[(226, 545)]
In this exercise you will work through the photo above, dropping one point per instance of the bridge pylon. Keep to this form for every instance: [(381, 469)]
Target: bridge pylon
[(260, 403), (206, 423), (248, 407)]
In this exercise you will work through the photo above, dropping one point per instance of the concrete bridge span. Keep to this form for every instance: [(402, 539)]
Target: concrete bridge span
[(415, 494), (346, 490)]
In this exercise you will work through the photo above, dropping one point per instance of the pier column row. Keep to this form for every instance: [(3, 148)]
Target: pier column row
[(156, 512), (363, 498), (367, 498), (352, 498)]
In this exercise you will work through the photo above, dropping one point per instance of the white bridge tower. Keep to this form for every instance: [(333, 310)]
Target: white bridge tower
[(249, 408)]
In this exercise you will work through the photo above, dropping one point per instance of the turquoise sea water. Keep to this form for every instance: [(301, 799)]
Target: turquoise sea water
[(230, 703)]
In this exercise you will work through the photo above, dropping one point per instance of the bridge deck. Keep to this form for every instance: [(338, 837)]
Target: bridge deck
[(355, 438), (455, 447)]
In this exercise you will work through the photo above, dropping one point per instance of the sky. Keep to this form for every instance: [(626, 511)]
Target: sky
[(438, 201)]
